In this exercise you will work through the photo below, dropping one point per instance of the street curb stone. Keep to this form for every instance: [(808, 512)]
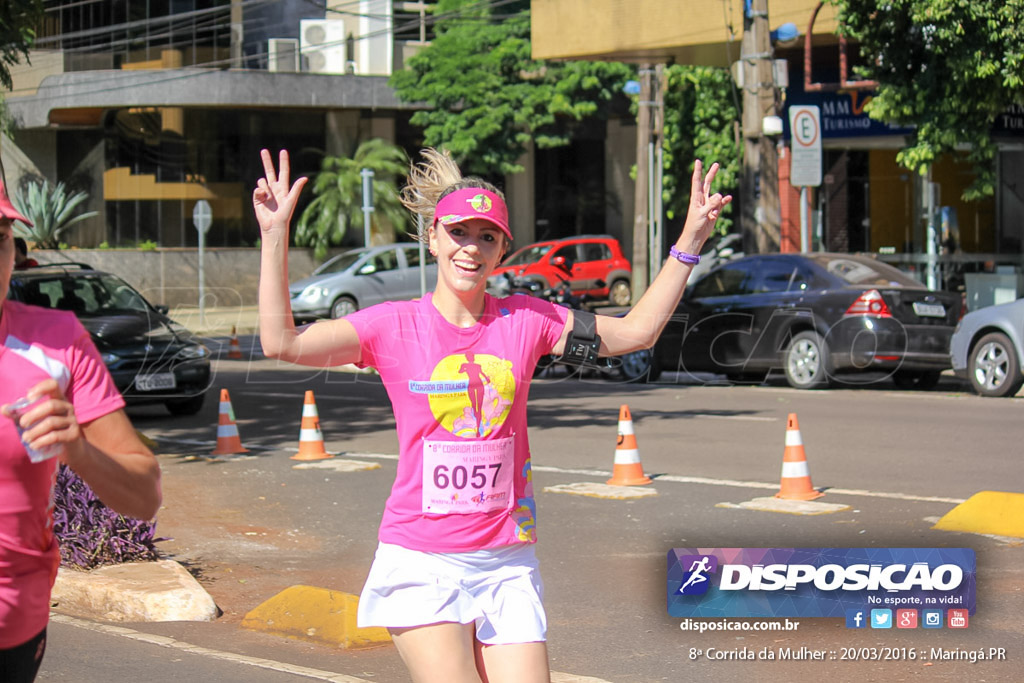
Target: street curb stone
[(134, 592)]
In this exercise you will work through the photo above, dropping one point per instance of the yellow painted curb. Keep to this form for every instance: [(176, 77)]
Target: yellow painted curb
[(998, 513), (149, 443), (318, 614)]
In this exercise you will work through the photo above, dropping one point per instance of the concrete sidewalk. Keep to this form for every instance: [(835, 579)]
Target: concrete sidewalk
[(217, 322)]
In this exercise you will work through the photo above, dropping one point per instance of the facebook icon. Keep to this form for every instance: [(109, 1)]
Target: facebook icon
[(855, 618)]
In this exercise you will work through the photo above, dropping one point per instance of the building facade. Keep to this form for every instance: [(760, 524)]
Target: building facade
[(866, 201)]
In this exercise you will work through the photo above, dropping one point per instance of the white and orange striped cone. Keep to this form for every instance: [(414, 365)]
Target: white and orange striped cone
[(796, 476), (311, 439), (228, 442), (627, 470), (234, 350)]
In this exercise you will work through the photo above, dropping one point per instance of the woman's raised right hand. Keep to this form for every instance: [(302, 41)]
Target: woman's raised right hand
[(273, 199)]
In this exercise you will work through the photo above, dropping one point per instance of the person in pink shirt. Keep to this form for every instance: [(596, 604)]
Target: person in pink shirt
[(455, 577), (75, 417)]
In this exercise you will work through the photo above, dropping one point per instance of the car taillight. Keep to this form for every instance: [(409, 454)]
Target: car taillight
[(870, 303)]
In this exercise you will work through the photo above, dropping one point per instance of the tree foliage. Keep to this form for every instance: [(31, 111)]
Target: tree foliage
[(487, 98), (946, 67), (700, 116), (18, 21), (338, 189)]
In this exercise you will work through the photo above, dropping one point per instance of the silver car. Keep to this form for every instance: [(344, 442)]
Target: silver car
[(987, 348), (360, 278)]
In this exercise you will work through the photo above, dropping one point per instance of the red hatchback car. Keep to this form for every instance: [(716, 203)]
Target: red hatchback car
[(593, 265)]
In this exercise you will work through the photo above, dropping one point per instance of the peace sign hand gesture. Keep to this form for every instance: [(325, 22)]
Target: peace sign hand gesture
[(273, 199), (704, 209)]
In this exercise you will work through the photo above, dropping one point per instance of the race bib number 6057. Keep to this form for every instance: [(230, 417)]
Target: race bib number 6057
[(462, 477)]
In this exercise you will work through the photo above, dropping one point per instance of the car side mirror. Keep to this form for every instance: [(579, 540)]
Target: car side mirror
[(162, 309), (368, 269)]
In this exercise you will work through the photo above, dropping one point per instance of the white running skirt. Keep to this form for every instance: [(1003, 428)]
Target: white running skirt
[(499, 590)]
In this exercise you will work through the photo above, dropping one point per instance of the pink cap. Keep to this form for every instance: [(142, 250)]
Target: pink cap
[(7, 209), (472, 202)]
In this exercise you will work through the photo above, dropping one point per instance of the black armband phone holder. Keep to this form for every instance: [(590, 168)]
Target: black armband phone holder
[(583, 343)]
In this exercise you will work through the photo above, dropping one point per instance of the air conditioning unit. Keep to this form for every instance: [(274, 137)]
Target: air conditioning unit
[(323, 45), (283, 54)]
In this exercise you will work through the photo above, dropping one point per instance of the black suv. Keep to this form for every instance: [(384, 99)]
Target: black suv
[(151, 358)]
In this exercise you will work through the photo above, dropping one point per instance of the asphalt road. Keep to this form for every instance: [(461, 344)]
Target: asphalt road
[(250, 526)]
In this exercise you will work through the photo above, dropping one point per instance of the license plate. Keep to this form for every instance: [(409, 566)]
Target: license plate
[(929, 310), (160, 380)]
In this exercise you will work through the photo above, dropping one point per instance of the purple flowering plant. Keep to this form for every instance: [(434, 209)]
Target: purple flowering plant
[(90, 534)]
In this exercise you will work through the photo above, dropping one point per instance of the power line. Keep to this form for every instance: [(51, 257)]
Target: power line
[(199, 69)]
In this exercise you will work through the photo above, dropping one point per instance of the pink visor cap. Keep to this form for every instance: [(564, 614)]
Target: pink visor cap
[(7, 209), (472, 202)]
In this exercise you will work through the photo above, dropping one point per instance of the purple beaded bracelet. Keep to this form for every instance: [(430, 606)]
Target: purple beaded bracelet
[(683, 257)]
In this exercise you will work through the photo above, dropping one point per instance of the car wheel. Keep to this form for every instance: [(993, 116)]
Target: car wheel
[(186, 406), (806, 361), (342, 306), (619, 294), (993, 366), (638, 366), (923, 380)]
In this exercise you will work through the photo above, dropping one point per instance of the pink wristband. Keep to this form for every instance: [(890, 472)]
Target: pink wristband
[(683, 257)]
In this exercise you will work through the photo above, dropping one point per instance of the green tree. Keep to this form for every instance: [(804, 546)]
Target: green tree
[(338, 188), (18, 21), (52, 210), (946, 67), (487, 98), (700, 123)]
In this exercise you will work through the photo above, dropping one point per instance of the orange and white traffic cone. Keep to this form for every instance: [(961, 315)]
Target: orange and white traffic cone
[(234, 350), (311, 439), (796, 477), (627, 470), (228, 442)]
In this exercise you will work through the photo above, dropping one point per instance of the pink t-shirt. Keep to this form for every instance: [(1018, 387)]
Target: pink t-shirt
[(459, 398), (38, 343)]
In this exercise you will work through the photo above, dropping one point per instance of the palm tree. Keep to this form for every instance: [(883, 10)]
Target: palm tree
[(52, 209), (338, 203)]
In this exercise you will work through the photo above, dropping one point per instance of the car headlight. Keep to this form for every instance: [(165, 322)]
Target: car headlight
[(193, 352), (314, 292)]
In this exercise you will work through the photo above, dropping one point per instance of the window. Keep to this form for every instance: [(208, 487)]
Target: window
[(774, 275), (412, 257), (566, 252), (338, 263), (380, 263), (726, 281), (594, 251)]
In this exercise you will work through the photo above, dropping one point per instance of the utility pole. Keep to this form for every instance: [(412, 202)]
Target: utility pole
[(640, 193), (760, 218)]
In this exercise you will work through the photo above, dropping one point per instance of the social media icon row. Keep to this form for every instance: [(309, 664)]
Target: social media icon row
[(905, 618)]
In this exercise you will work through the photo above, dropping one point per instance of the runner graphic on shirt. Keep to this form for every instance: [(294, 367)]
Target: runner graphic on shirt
[(470, 394), (475, 390)]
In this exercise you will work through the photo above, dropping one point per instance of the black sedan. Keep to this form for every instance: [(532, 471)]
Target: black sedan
[(821, 318), (151, 358)]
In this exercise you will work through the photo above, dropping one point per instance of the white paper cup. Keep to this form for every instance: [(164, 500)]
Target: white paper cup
[(19, 408)]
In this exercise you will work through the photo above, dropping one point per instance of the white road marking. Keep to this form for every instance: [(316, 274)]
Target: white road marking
[(298, 397), (675, 478), (166, 641), (259, 662)]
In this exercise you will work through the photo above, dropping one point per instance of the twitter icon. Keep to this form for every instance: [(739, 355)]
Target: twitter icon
[(881, 618)]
